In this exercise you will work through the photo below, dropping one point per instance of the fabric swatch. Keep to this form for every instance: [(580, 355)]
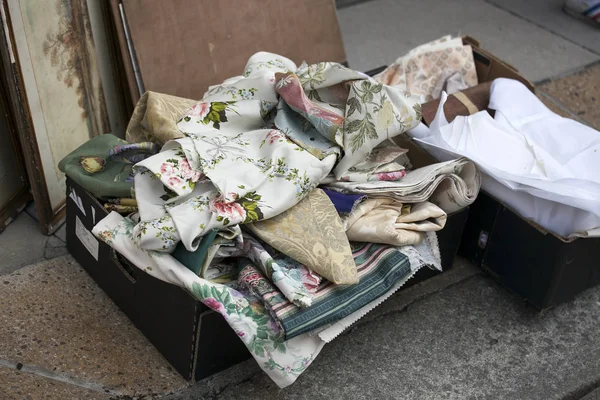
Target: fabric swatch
[(312, 233)]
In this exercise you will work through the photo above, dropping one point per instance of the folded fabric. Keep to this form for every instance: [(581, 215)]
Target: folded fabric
[(425, 254), (544, 166), (252, 278), (427, 70), (194, 260), (344, 203), (451, 185), (294, 280), (283, 361), (194, 184), (385, 163), (380, 267), (121, 209), (93, 166), (312, 233), (384, 220), (155, 118)]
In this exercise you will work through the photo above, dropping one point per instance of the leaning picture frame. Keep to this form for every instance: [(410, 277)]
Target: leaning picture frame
[(63, 87)]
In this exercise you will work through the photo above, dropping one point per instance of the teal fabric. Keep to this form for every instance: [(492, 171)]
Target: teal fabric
[(193, 259), (112, 180)]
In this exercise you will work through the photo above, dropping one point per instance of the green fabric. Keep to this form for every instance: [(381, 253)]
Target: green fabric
[(108, 182), (193, 260)]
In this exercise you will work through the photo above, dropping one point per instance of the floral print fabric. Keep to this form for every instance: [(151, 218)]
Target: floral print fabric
[(348, 108), (427, 70), (283, 360), (451, 185), (200, 185)]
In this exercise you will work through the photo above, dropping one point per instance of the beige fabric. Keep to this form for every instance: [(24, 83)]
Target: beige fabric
[(385, 220), (312, 233), (155, 118), (444, 64)]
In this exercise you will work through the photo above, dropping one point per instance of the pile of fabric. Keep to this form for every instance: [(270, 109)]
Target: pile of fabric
[(279, 201)]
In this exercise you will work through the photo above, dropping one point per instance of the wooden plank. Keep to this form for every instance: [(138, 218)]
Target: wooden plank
[(184, 46)]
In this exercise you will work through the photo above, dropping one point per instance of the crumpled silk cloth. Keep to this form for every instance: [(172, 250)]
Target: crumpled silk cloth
[(386, 162), (348, 108), (451, 185), (427, 70), (384, 220), (194, 184), (312, 233), (155, 118)]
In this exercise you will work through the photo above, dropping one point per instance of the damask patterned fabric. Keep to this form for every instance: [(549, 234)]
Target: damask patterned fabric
[(155, 118), (384, 220), (312, 233), (427, 70)]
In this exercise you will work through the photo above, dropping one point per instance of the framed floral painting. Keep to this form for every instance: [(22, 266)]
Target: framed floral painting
[(63, 88)]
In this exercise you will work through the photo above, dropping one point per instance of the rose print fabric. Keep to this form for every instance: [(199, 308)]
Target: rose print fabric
[(427, 70), (283, 360), (195, 185)]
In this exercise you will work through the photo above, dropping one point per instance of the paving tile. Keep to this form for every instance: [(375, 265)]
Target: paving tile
[(549, 15), (580, 92), (21, 243), (377, 32), (54, 317), (61, 233), (55, 248), (472, 340), (21, 385)]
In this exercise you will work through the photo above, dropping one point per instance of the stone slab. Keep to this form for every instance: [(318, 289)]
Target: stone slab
[(595, 395), (579, 92), (472, 340), (549, 15), (16, 385), (218, 383), (21, 243), (61, 233), (377, 32), (55, 248), (55, 320)]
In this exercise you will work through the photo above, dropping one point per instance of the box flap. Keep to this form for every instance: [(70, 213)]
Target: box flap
[(184, 46)]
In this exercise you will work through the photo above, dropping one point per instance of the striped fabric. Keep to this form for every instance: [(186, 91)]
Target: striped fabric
[(594, 12), (379, 268)]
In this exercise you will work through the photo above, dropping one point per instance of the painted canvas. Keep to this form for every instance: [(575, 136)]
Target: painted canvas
[(62, 77)]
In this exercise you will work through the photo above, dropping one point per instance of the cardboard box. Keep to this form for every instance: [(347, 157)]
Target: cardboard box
[(544, 268), (193, 338)]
